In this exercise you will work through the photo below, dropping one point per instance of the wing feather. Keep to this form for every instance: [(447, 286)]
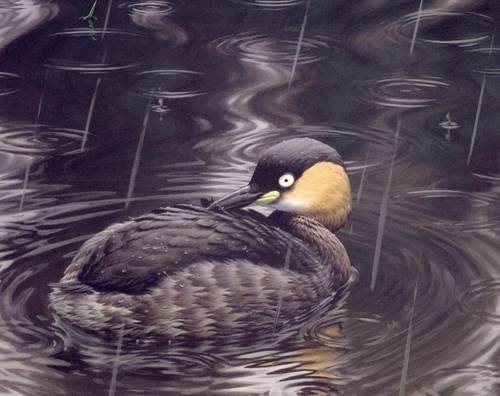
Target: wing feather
[(133, 256)]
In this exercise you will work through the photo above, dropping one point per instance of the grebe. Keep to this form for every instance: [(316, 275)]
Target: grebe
[(219, 271)]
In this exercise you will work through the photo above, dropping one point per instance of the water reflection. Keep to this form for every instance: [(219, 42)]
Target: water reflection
[(435, 207), (404, 92), (8, 83), (39, 140), (271, 5), (167, 84), (485, 61), (261, 48), (82, 50), (152, 7), (442, 27)]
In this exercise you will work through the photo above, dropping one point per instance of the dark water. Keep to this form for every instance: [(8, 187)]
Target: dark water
[(164, 102)]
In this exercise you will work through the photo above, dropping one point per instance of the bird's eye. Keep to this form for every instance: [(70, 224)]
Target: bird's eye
[(286, 180)]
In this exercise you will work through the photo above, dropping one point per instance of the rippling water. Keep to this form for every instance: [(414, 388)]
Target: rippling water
[(161, 102)]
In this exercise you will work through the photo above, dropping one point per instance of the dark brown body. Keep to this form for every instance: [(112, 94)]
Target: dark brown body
[(187, 271)]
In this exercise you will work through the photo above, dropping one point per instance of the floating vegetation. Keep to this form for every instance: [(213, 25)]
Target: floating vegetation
[(90, 18)]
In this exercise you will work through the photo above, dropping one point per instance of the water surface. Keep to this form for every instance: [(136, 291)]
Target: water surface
[(161, 102)]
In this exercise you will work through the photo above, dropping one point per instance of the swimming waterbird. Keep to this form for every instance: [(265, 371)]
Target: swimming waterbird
[(219, 271)]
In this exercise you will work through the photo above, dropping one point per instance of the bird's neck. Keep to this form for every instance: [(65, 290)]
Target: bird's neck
[(331, 251)]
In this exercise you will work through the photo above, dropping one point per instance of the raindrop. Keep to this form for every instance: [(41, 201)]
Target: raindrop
[(137, 159), (417, 25), (480, 104), (383, 212), (116, 362)]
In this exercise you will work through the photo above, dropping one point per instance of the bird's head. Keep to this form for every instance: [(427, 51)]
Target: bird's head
[(302, 176)]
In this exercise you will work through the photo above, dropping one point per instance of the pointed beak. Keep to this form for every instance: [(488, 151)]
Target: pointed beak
[(245, 196)]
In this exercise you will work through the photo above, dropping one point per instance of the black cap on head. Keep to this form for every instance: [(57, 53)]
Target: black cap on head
[(294, 156)]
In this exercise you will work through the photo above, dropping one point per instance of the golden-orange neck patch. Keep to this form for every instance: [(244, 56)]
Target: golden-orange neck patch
[(324, 193)]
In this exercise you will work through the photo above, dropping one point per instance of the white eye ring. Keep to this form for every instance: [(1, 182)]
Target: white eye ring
[(286, 180)]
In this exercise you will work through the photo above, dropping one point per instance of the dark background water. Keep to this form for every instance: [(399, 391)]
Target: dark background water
[(164, 102)]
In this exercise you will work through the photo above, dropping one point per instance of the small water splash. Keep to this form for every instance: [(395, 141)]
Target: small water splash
[(449, 126), (160, 108), (383, 212), (407, 92)]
